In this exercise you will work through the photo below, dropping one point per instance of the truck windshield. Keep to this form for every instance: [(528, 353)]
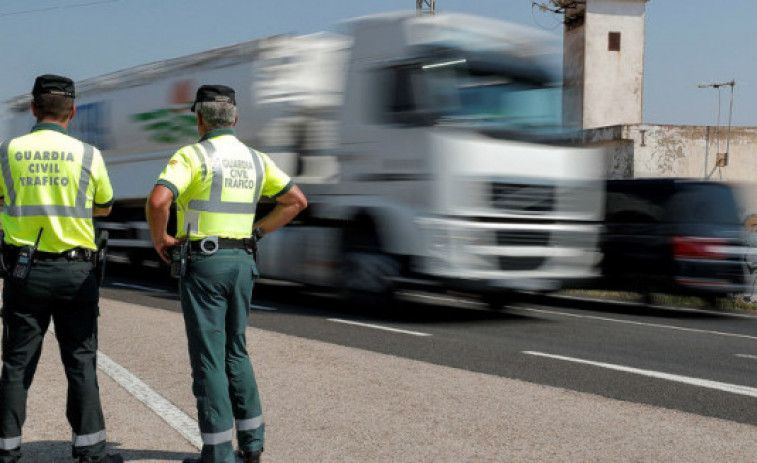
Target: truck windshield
[(457, 93)]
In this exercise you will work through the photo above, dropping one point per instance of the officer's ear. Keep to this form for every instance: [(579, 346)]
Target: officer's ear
[(73, 112), (34, 109), (236, 119)]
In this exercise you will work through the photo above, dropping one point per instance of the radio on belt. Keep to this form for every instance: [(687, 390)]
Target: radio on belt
[(180, 257), (24, 260)]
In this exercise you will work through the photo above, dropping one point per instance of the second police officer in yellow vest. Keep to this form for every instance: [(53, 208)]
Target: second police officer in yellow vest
[(216, 184), (52, 184)]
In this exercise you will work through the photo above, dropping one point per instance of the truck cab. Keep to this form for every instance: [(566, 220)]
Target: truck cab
[(454, 168)]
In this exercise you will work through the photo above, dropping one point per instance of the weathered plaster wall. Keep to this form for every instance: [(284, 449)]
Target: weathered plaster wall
[(691, 151), (646, 150), (620, 151)]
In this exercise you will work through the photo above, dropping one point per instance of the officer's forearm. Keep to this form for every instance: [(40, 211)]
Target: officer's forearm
[(101, 211), (277, 218), (158, 210), (157, 219), (289, 205)]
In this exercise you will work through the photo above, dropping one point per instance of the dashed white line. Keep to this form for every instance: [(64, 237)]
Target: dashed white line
[(746, 356), (631, 322), (144, 288), (705, 383), (378, 327)]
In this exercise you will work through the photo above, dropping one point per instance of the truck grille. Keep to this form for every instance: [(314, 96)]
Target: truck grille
[(522, 238), (516, 197), (520, 263)]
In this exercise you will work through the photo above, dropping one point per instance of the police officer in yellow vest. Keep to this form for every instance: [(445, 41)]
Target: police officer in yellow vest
[(216, 184), (52, 184)]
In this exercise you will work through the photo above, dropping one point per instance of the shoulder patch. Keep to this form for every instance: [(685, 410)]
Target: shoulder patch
[(173, 162)]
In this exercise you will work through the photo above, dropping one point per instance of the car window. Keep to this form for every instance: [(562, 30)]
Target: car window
[(670, 202), (636, 202), (704, 203)]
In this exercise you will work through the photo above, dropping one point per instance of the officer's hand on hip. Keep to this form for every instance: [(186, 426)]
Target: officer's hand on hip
[(164, 245)]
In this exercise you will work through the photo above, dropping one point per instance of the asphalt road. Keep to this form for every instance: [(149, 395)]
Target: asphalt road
[(690, 360)]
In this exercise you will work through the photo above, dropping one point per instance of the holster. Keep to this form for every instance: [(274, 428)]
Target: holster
[(101, 257), (180, 259), (251, 243), (251, 246)]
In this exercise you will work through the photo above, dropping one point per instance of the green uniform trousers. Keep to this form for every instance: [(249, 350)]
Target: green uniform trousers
[(67, 292), (215, 299)]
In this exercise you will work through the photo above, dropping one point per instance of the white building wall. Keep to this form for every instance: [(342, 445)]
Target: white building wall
[(604, 87), (691, 151), (613, 86)]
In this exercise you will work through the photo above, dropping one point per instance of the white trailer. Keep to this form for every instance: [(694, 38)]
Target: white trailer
[(431, 150)]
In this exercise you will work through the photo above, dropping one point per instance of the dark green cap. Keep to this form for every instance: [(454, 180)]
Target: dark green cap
[(53, 84), (218, 93)]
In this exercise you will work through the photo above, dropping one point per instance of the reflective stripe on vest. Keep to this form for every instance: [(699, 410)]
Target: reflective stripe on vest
[(204, 166), (78, 211), (214, 204), (250, 424), (88, 440)]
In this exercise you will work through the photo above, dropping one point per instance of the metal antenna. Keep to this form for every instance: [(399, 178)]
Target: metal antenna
[(722, 158), (425, 6)]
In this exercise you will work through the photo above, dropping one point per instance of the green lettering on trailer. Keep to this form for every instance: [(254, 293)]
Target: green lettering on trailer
[(166, 125)]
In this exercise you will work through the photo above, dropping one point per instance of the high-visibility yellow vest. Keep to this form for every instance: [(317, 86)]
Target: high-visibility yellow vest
[(217, 183), (51, 181)]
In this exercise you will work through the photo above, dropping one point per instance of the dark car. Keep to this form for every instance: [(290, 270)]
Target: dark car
[(668, 235)]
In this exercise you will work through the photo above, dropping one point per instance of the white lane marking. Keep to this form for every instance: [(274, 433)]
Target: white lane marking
[(705, 383), (262, 307), (378, 327), (145, 288), (175, 417), (168, 412), (631, 322), (746, 356)]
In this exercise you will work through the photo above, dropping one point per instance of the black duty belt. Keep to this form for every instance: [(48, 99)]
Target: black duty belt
[(75, 254), (212, 244)]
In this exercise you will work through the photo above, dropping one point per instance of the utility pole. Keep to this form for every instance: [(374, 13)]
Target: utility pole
[(425, 6), (722, 158)]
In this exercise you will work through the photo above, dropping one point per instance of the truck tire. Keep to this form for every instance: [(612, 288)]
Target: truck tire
[(368, 278), (498, 300)]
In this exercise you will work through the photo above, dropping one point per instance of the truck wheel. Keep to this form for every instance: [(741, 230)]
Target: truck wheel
[(367, 277), (498, 301)]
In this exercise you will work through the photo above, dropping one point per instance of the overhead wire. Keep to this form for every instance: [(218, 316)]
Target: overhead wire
[(543, 9), (59, 7)]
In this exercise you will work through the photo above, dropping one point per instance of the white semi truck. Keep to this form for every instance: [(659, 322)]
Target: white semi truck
[(430, 148)]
